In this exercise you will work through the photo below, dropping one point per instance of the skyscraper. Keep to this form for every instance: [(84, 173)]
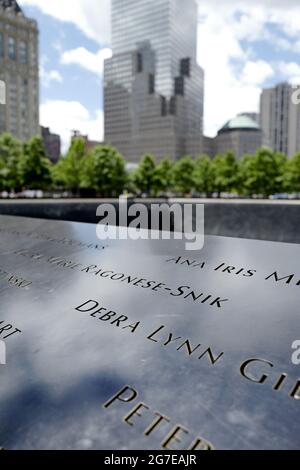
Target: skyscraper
[(19, 71), (153, 86), (280, 119)]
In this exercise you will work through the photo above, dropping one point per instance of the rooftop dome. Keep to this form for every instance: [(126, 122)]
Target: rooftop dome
[(240, 123)]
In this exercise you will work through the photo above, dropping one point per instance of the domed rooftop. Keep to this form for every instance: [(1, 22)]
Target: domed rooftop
[(240, 123)]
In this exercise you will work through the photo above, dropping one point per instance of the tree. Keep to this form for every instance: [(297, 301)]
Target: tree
[(262, 174), (163, 176), (280, 162), (10, 156), (226, 173), (34, 166), (182, 175), (3, 173), (104, 170), (145, 175), (204, 175), (291, 176), (67, 172)]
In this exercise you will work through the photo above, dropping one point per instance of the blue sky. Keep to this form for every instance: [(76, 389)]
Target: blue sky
[(241, 47), (76, 83)]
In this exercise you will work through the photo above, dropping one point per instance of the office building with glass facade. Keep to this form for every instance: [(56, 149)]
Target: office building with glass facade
[(153, 86)]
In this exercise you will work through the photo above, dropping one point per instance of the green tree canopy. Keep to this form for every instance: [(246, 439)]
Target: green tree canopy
[(226, 172), (10, 156), (104, 170), (25, 166), (291, 177), (144, 177), (67, 172), (204, 175), (183, 175), (262, 174), (34, 166), (3, 173), (163, 176)]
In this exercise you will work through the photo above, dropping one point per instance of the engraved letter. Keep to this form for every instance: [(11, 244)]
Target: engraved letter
[(123, 396)]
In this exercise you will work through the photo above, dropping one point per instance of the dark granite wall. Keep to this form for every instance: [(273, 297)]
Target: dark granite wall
[(275, 221)]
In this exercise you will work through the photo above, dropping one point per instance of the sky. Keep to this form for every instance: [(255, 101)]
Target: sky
[(242, 46)]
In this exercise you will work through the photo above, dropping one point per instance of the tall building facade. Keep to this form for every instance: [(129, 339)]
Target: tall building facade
[(153, 86), (280, 119), (19, 71)]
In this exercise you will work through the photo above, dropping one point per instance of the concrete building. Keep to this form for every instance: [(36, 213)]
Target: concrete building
[(280, 119), (19, 71), (208, 146), (242, 135), (153, 86), (52, 144)]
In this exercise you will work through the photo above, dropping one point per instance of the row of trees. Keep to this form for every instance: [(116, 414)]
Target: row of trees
[(262, 174), (102, 171)]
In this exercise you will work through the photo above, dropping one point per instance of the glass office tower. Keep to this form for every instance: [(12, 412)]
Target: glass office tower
[(153, 87)]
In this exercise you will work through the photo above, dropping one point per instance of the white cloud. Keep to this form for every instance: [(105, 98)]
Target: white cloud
[(291, 70), (226, 94), (65, 116), (48, 76), (234, 72), (92, 17), (94, 62), (256, 73)]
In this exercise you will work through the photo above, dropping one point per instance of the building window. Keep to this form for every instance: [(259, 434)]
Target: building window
[(163, 106), (12, 48), (1, 45), (139, 62), (173, 106), (179, 86), (185, 67), (151, 84), (23, 53)]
